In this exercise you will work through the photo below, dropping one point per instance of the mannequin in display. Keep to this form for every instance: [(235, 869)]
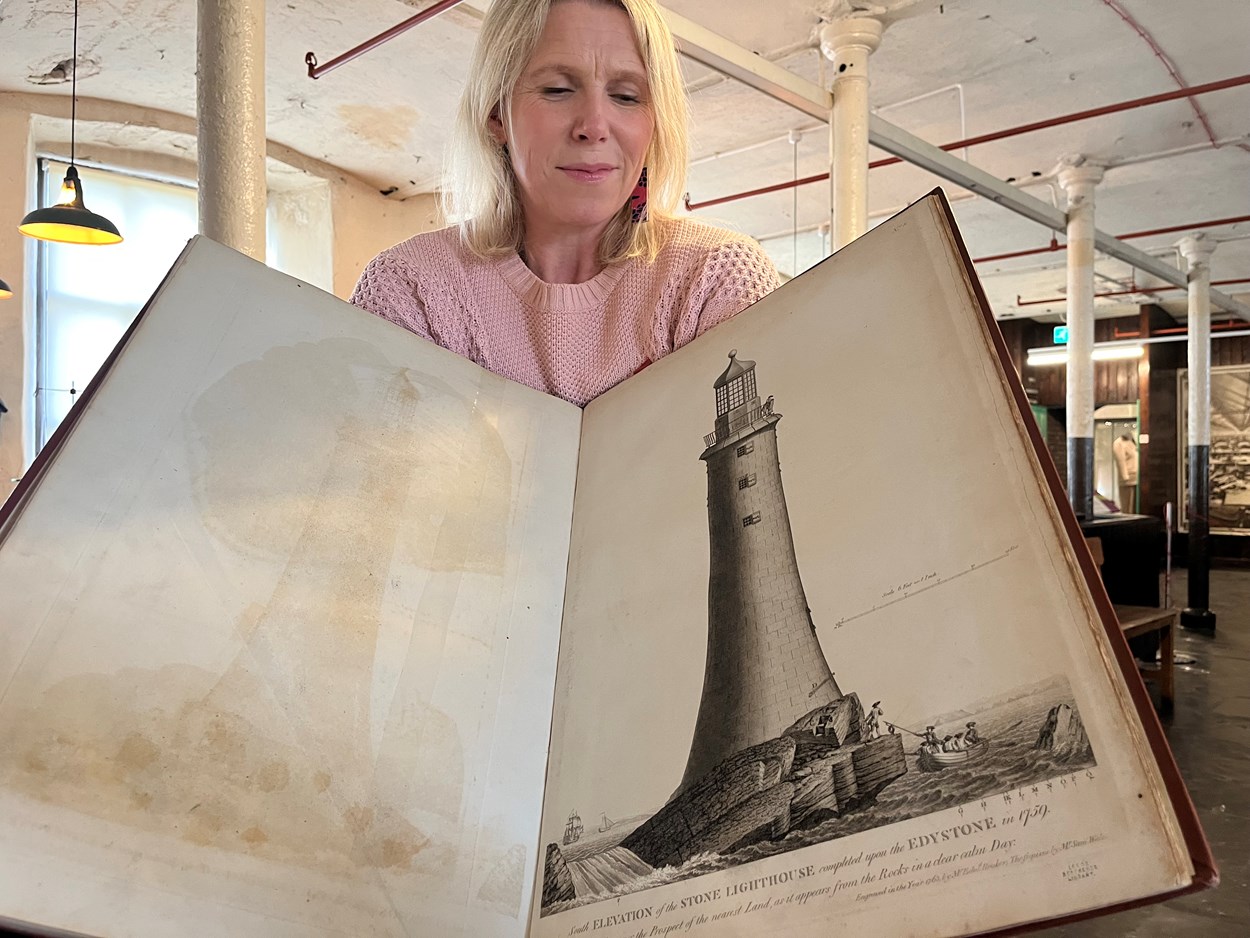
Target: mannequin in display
[(1125, 451)]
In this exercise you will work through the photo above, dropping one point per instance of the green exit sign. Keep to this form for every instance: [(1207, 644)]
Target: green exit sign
[(1061, 335)]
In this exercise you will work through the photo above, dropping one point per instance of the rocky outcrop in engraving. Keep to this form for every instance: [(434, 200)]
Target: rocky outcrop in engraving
[(1064, 734), (557, 880), (766, 791)]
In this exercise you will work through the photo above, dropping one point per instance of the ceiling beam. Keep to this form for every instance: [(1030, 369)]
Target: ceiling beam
[(1140, 260), (701, 45), (898, 142), (716, 52)]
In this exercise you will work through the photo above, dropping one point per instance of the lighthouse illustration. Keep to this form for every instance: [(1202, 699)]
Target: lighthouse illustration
[(777, 746), (765, 667)]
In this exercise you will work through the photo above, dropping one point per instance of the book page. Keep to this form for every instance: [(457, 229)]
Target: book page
[(825, 655), (279, 630)]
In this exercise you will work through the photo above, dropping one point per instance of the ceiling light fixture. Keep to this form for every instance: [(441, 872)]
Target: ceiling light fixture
[(69, 221), (5, 290), (1100, 353)]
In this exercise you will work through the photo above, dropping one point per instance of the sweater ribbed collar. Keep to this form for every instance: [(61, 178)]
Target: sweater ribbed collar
[(559, 297)]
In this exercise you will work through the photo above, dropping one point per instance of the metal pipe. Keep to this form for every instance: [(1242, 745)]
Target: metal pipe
[(1171, 229), (763, 190), (719, 54), (1167, 64), (1055, 245), (1175, 151), (748, 147), (957, 87), (1181, 331), (1003, 134), (1106, 293), (1075, 116), (316, 71)]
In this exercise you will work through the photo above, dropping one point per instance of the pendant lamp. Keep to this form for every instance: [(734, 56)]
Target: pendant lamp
[(5, 291), (69, 221)]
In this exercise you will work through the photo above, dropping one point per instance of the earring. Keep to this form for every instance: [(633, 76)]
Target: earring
[(638, 200)]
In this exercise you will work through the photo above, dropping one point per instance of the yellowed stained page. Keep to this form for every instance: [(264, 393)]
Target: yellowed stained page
[(279, 630), (825, 662)]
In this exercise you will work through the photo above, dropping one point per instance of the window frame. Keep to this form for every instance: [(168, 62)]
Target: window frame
[(44, 197)]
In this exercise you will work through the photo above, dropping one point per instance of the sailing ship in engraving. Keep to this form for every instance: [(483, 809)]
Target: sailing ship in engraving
[(780, 756), (573, 829)]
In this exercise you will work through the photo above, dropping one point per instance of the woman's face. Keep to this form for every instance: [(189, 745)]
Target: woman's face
[(581, 120)]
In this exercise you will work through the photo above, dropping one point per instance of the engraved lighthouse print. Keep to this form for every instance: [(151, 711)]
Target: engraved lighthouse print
[(777, 746), (781, 758), (765, 667)]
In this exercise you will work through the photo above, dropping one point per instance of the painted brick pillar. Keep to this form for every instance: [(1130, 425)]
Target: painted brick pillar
[(1197, 614), (230, 123), (848, 43), (1079, 176), (765, 668)]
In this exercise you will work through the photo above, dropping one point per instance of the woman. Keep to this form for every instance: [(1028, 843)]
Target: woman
[(568, 271)]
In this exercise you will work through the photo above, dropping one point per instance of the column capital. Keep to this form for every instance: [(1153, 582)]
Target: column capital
[(852, 34), (1197, 249), (1079, 171)]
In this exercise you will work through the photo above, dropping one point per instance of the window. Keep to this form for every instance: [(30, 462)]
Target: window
[(746, 481), (746, 448), (735, 393), (753, 518), (88, 296)]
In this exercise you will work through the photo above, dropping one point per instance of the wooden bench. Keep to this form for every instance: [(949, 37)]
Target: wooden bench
[(1142, 620)]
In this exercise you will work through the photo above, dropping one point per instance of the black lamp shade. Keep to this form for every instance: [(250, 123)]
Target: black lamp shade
[(5, 290), (69, 221)]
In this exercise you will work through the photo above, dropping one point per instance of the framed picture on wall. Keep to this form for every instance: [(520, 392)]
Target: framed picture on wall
[(1230, 448)]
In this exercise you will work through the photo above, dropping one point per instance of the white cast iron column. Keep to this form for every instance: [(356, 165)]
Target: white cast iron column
[(230, 117), (1078, 178), (848, 43), (1197, 615)]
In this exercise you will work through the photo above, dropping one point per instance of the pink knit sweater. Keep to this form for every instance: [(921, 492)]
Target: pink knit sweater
[(571, 340)]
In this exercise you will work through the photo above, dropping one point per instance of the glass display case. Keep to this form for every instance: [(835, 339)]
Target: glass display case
[(1116, 457)]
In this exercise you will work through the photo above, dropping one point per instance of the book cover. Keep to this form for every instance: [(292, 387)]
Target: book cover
[(311, 628)]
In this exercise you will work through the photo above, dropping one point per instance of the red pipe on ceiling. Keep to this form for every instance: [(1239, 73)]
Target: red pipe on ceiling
[(1056, 246), (1003, 134), (1222, 326), (1162, 56), (1063, 299), (1053, 246), (1172, 228), (316, 71)]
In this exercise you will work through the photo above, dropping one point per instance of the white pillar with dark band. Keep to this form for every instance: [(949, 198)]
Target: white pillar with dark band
[(1079, 176), (1197, 251), (230, 119), (848, 43)]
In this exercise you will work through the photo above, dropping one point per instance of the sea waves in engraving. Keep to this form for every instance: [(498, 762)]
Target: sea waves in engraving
[(601, 869)]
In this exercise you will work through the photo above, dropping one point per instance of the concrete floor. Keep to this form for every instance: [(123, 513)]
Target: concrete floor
[(1210, 734)]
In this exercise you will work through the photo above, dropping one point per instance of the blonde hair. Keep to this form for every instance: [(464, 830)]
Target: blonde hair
[(482, 193)]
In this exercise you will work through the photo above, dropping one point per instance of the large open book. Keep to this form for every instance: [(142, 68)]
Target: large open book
[(310, 627)]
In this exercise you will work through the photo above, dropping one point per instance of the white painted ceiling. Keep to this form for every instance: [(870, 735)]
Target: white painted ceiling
[(943, 71)]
